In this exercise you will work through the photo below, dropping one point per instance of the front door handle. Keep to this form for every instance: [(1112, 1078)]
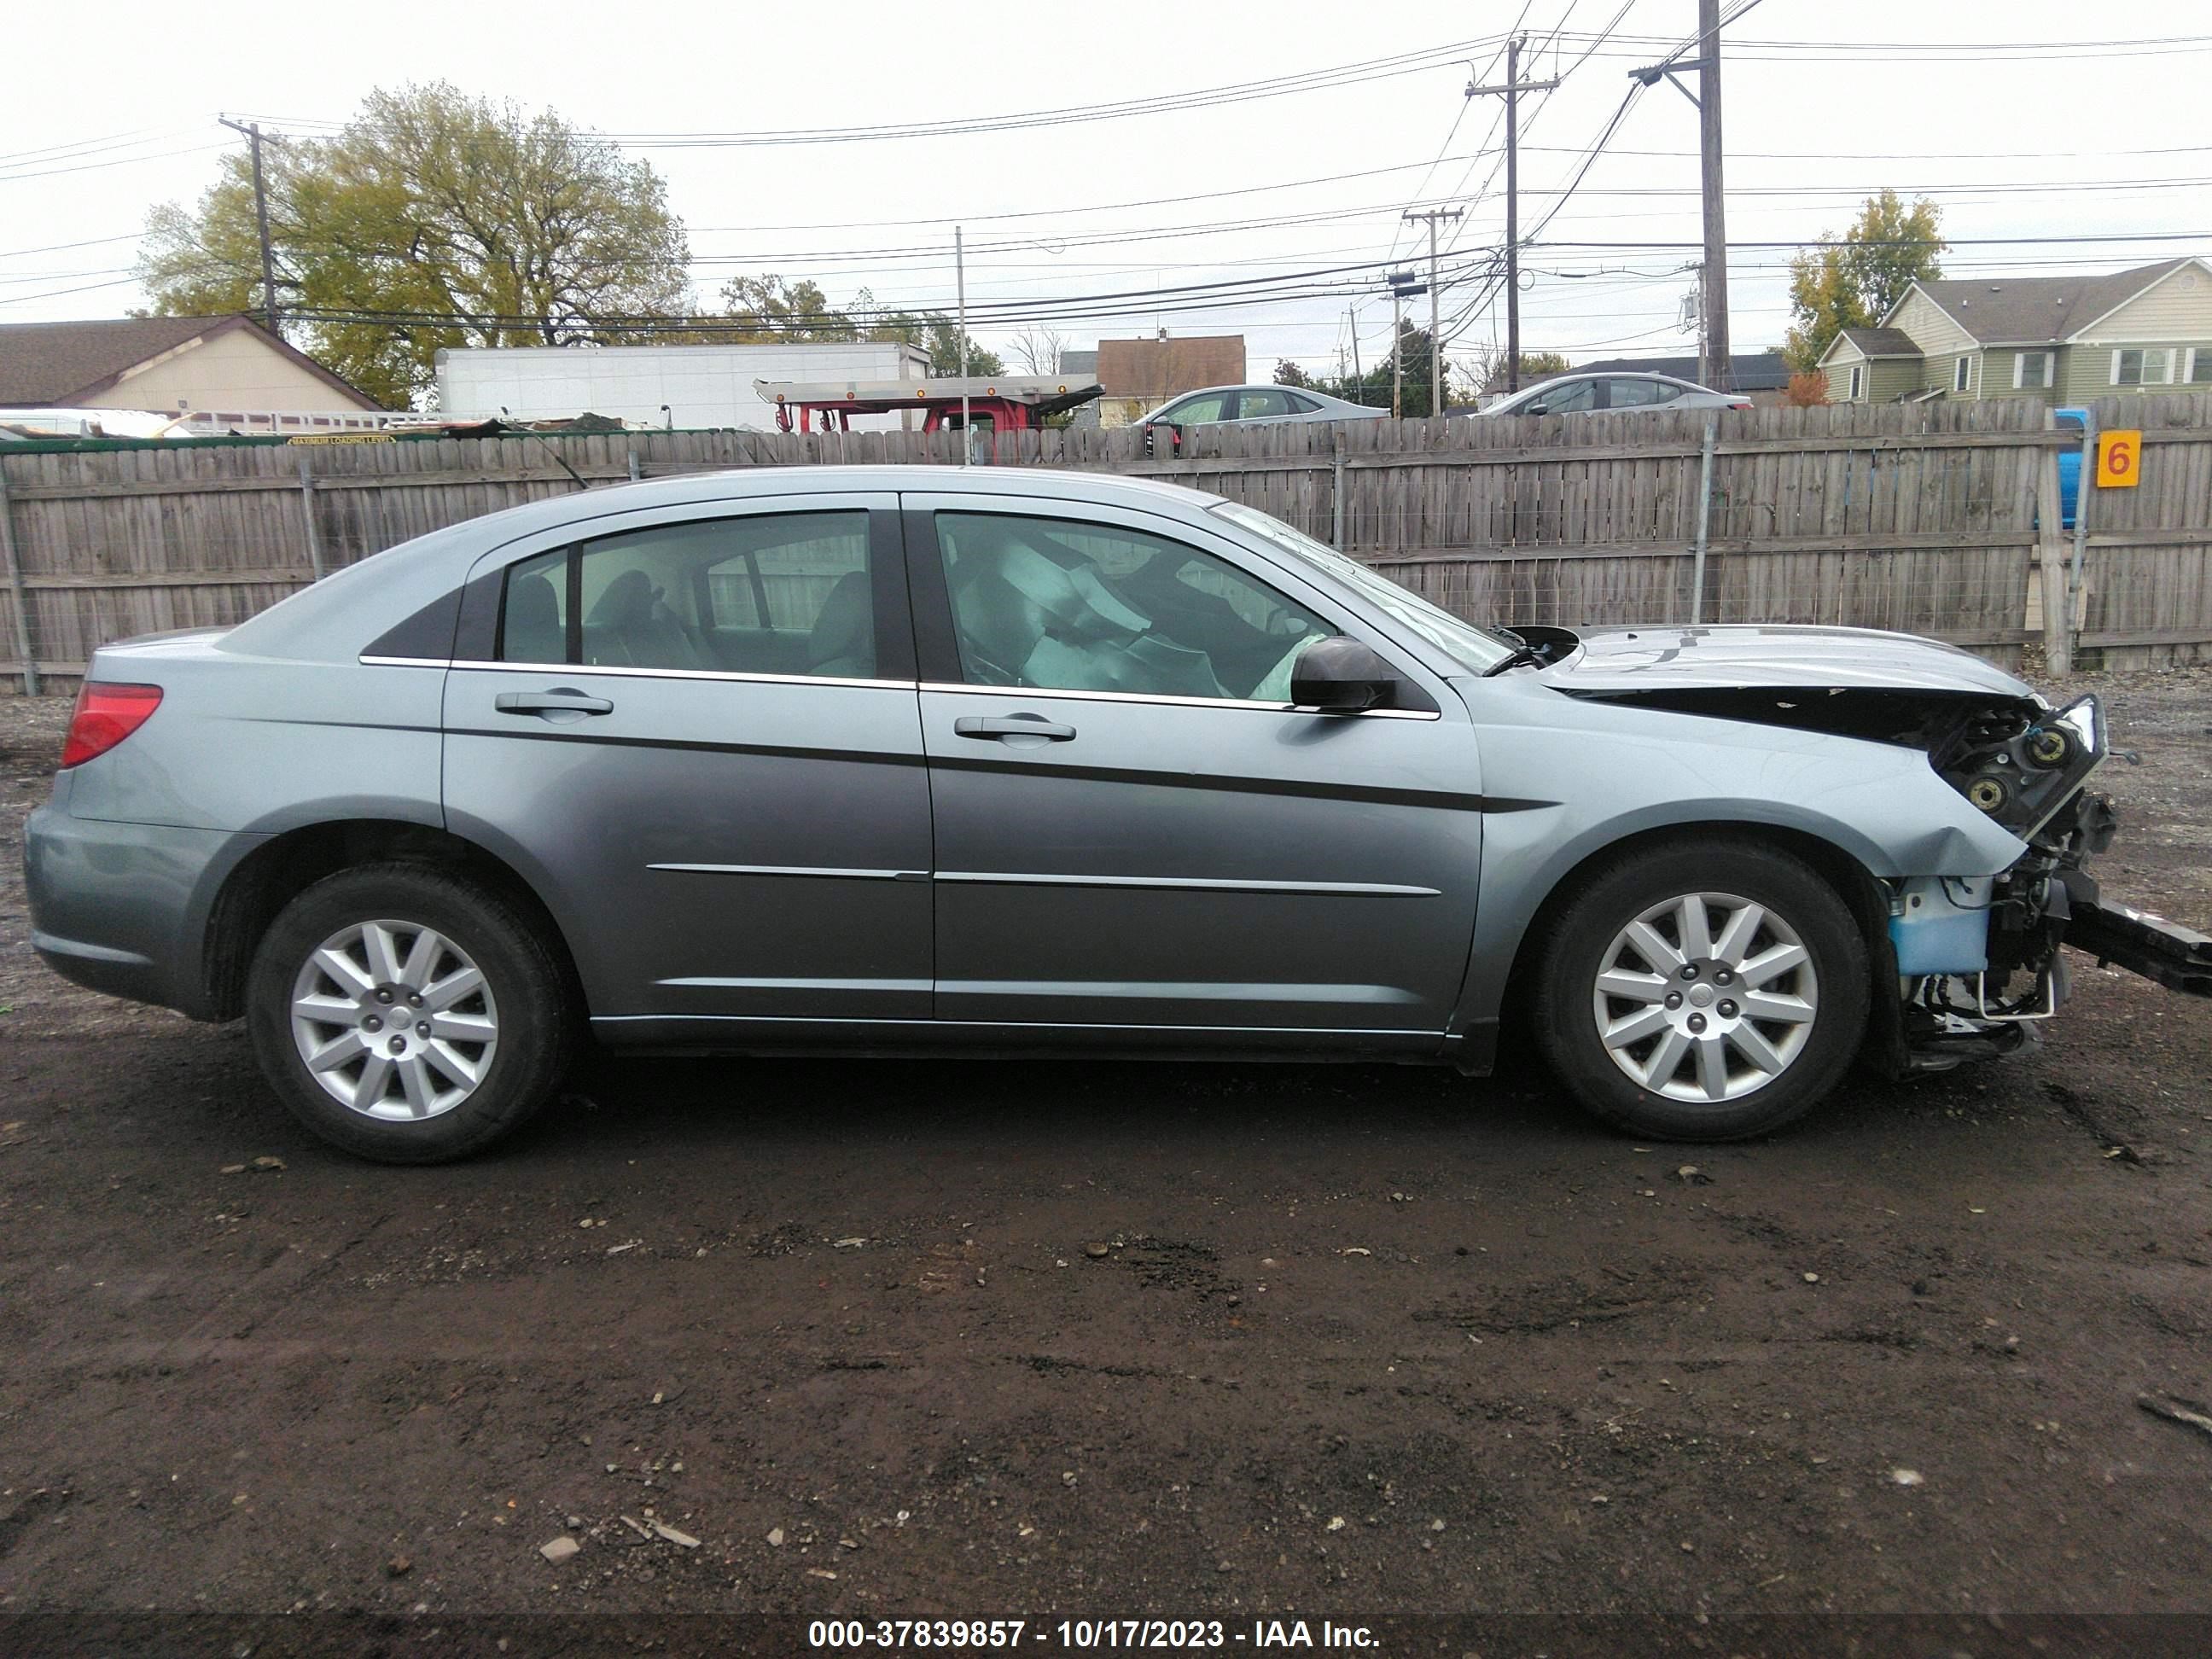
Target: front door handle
[(562, 700), (1010, 726)]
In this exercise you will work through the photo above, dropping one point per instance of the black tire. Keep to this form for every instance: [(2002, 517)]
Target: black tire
[(534, 1020), (1583, 940)]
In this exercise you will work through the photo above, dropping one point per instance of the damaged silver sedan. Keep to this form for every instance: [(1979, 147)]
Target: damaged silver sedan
[(903, 760)]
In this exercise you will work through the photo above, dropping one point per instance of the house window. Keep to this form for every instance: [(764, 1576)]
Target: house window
[(2031, 371), (1858, 381), (2150, 366), (2200, 365), (1962, 373)]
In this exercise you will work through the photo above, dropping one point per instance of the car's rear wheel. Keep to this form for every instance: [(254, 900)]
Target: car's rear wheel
[(1703, 993), (407, 1015)]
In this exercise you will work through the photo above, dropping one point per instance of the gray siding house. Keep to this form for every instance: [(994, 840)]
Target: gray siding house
[(2059, 340)]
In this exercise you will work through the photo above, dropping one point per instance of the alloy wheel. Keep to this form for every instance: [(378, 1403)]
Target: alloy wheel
[(394, 1020), (1707, 997)]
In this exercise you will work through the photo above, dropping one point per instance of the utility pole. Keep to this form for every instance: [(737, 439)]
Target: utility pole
[(1397, 353), (1402, 288), (1513, 87), (1720, 364), (252, 131), (960, 288), (1716, 367), (1352, 327), (1436, 332)]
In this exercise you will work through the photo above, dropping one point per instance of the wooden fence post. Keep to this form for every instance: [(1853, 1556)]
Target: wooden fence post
[(2050, 543), (1704, 520), (22, 599), (2084, 487), (1336, 499), (314, 530)]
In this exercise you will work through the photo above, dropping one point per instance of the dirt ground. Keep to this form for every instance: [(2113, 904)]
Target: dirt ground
[(1056, 1341)]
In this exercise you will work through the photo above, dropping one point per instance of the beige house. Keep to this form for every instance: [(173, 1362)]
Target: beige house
[(224, 373), (2057, 340), (1138, 375)]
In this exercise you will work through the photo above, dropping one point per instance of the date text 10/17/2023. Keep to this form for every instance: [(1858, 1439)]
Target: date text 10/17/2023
[(1085, 1635)]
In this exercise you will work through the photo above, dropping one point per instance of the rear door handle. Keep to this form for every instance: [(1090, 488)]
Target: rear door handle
[(562, 700), (1010, 726)]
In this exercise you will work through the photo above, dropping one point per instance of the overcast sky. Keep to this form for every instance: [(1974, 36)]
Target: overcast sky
[(113, 108)]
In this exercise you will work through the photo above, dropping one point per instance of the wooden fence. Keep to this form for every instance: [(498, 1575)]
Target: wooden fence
[(1937, 518)]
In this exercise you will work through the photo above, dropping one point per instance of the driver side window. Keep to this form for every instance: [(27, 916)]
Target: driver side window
[(1569, 397), (1198, 411), (1078, 607)]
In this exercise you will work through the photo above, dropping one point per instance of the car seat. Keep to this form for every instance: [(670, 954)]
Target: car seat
[(1011, 599), (533, 629), (842, 644), (631, 626)]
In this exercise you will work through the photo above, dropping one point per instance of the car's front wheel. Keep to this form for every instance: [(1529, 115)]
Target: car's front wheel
[(1703, 993), (407, 1015)]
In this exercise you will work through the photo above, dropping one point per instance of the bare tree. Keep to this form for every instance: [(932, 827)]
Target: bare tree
[(1038, 349)]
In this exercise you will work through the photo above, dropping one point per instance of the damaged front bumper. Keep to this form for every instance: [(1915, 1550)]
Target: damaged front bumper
[(2178, 957), (1978, 959)]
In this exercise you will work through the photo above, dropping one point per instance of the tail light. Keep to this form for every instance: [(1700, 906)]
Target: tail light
[(105, 715), (1740, 403)]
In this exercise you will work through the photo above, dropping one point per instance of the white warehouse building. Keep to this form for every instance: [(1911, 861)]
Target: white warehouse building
[(686, 387)]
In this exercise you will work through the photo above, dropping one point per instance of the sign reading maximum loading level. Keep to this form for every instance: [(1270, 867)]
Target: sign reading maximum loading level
[(2119, 460)]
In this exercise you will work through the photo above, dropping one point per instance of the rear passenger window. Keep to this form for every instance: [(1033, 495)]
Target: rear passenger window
[(778, 593), (534, 622)]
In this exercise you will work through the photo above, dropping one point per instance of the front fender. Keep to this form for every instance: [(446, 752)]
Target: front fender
[(1586, 776)]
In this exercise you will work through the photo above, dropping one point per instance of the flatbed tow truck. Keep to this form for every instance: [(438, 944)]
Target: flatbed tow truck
[(996, 404)]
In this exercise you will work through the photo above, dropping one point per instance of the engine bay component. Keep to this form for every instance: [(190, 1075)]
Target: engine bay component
[(1989, 795), (2019, 764), (1939, 924), (2049, 746)]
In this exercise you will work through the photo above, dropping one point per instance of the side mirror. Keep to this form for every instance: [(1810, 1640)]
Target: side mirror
[(1534, 409), (1339, 675)]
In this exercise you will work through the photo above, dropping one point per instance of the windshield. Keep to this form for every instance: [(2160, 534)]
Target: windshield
[(1477, 649)]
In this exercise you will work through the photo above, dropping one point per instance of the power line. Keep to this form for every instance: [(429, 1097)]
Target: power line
[(60, 247), (1374, 69), (1950, 241), (1536, 113), (1095, 207), (119, 161), (136, 135)]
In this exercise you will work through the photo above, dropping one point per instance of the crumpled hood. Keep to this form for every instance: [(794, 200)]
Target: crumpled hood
[(1657, 660)]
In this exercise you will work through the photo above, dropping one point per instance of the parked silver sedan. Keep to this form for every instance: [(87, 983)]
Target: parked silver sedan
[(1247, 405), (1587, 394), (1244, 404), (897, 759)]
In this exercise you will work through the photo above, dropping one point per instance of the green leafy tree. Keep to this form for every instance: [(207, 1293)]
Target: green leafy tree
[(1373, 388), (1854, 280), (939, 336), (1542, 366), (759, 309), (1288, 373), (1489, 368), (433, 220)]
